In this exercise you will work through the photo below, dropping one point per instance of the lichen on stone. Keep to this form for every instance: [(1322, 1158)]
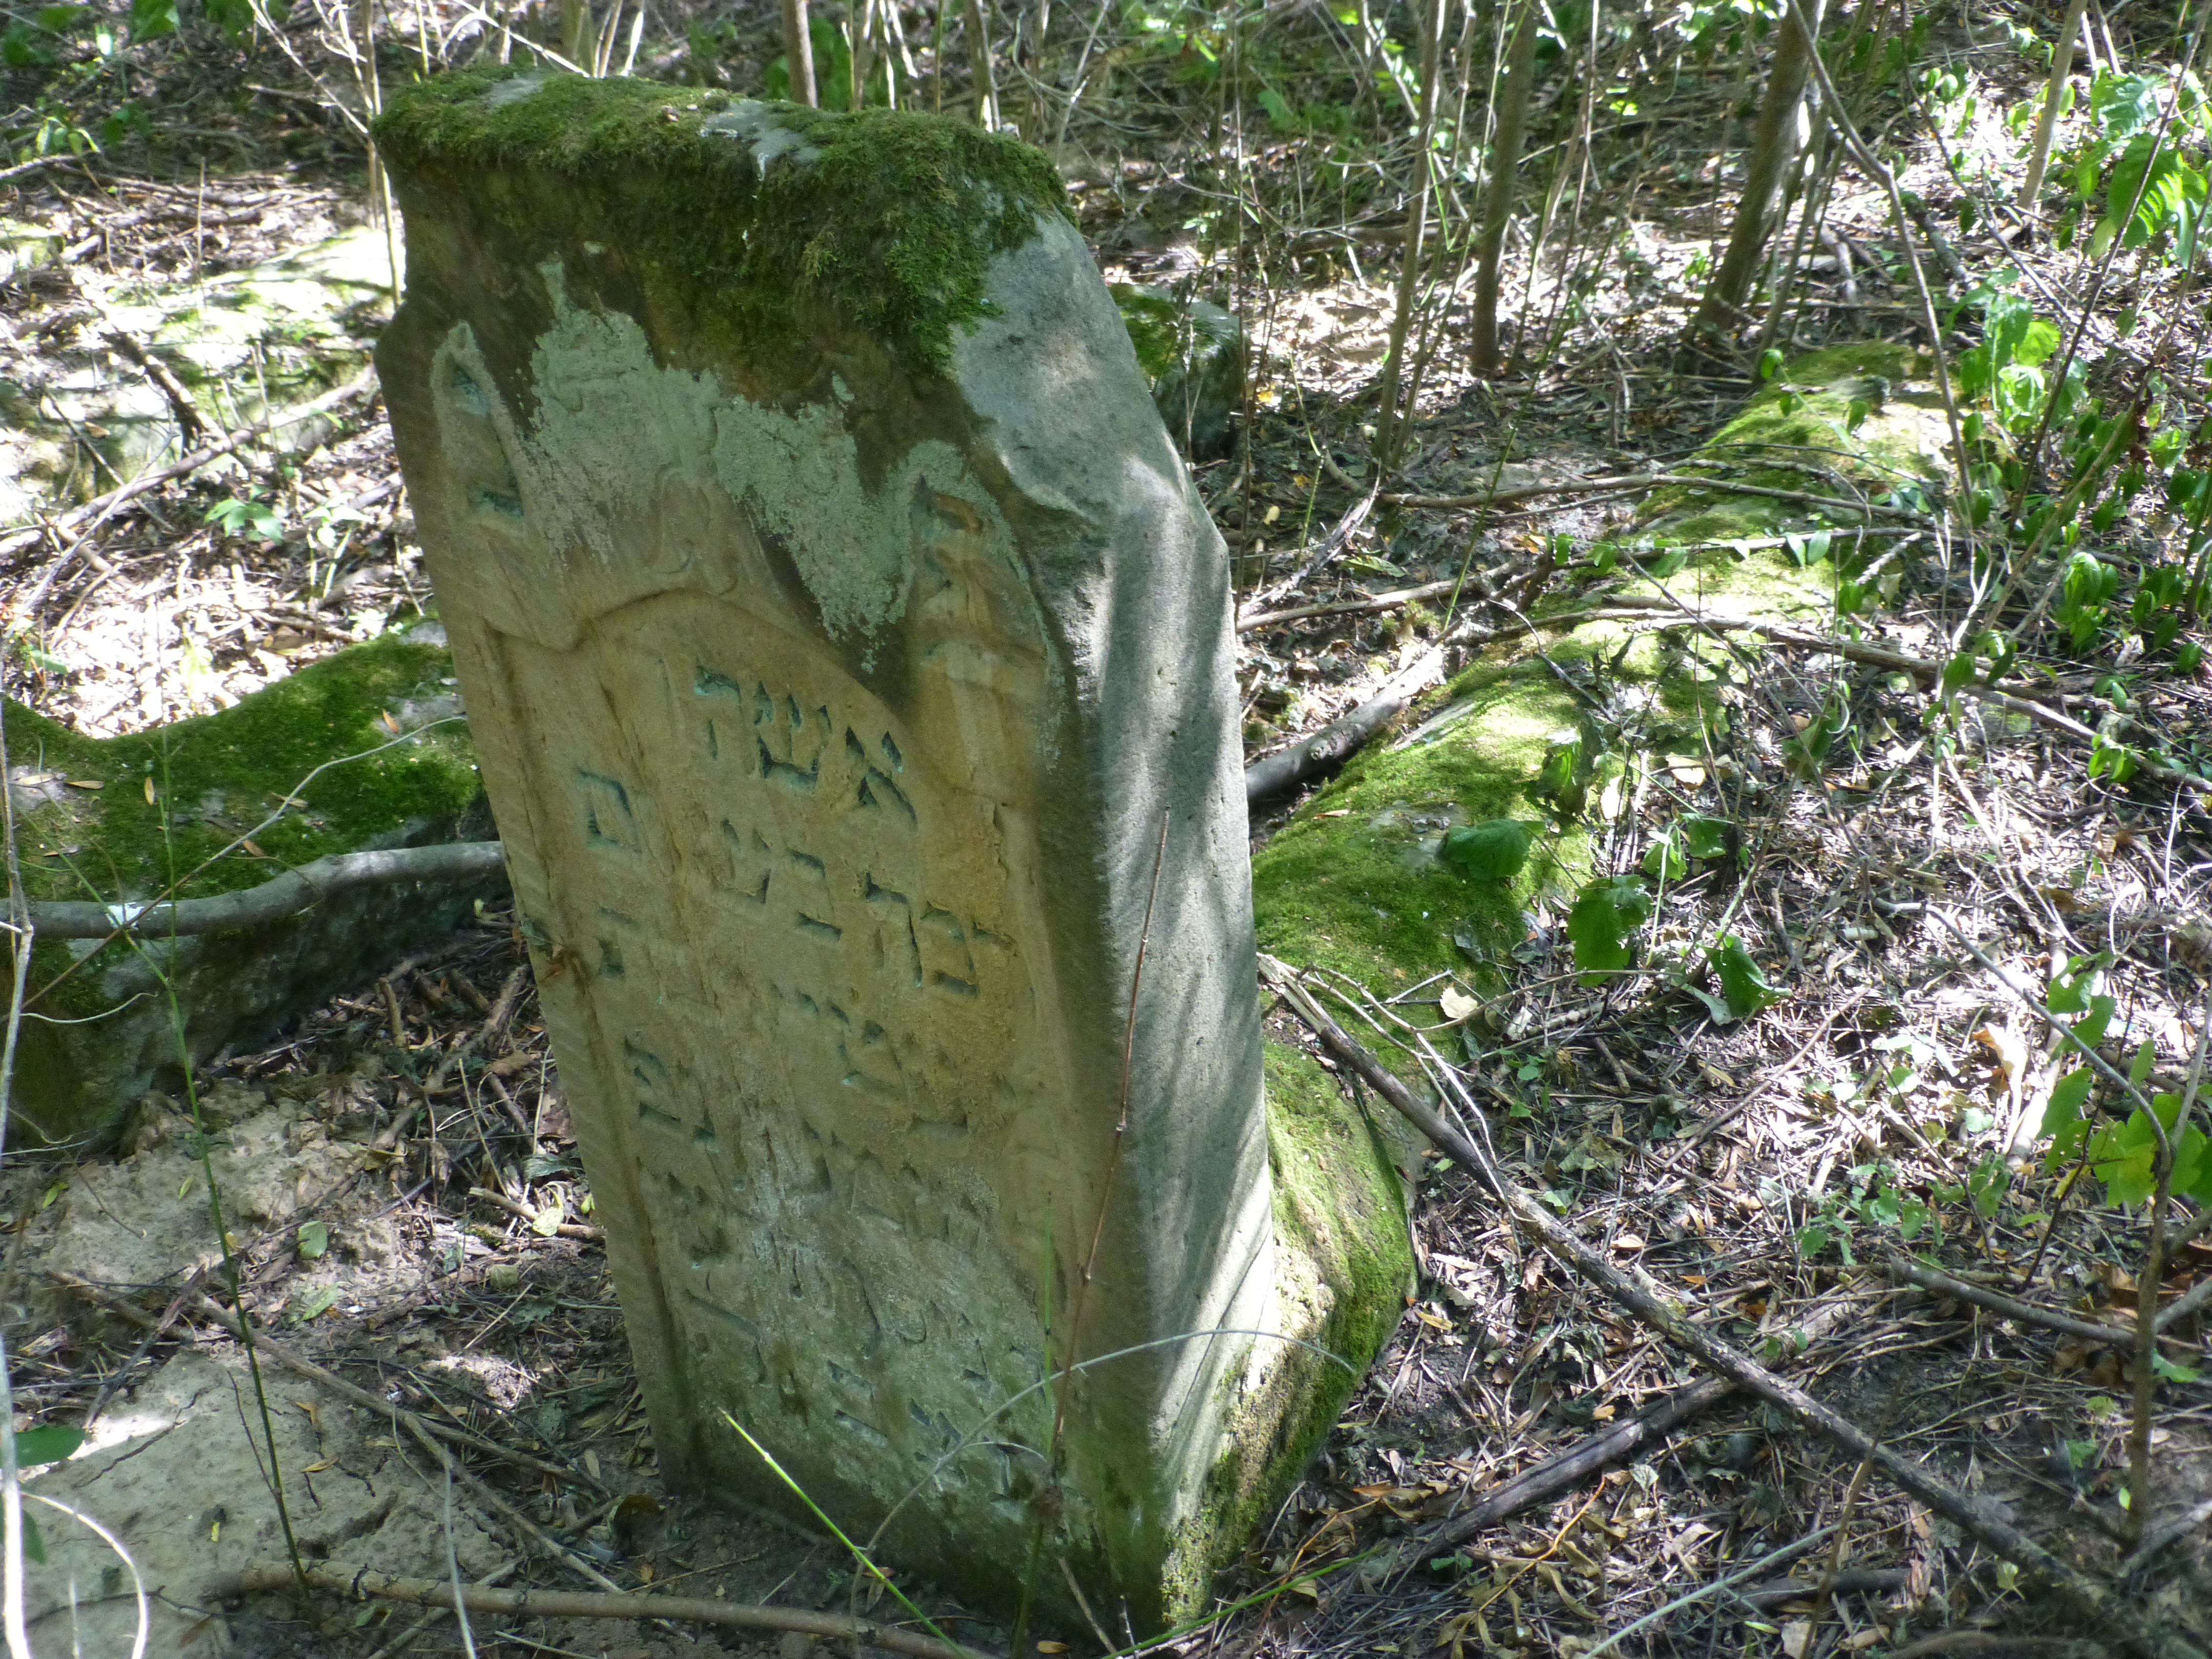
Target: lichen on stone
[(757, 211)]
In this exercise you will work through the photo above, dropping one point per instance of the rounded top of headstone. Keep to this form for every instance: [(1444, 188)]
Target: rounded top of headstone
[(891, 218)]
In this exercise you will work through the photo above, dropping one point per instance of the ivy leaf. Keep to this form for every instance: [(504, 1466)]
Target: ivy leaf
[(1601, 927), (1494, 851), (1742, 982)]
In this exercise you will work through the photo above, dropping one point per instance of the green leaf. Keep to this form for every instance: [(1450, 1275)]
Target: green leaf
[(1769, 363), (1742, 982), (1986, 1186), (2124, 1159), (317, 1301), (1855, 416), (1958, 671), (1662, 860), (152, 19), (1494, 851), (314, 1240), (2062, 1117), (1705, 836), (1601, 927), (2146, 1057), (33, 1546), (49, 1442)]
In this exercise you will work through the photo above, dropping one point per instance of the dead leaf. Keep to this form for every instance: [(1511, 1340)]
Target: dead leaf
[(1626, 1243), (149, 789), (1687, 769), (86, 783), (1457, 1004), (1796, 1637)]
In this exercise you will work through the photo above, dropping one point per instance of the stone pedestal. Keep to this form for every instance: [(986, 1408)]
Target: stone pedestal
[(839, 629)]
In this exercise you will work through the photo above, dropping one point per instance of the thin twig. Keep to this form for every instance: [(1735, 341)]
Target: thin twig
[(572, 1604)]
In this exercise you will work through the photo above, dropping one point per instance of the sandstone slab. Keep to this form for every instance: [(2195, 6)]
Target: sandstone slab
[(846, 648)]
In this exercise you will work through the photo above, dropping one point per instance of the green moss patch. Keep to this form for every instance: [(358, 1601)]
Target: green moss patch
[(756, 209), (1344, 1266), (91, 827), (1355, 881)]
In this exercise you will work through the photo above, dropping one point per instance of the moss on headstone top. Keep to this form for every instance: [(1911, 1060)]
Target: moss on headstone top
[(891, 216)]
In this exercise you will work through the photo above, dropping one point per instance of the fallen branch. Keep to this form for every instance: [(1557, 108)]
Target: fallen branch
[(1360, 607), (1646, 481), (1637, 1294), (101, 506), (1272, 773), (575, 1604), (1324, 550), (2026, 1312), (272, 901), (1569, 1468)]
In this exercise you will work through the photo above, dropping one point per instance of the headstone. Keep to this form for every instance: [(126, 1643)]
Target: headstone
[(842, 637)]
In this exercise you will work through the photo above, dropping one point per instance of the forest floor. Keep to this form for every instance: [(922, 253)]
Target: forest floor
[(1761, 1168)]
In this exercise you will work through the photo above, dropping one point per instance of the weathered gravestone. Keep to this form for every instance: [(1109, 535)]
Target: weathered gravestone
[(840, 630)]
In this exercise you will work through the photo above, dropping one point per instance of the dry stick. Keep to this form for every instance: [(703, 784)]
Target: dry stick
[(406, 1637), (523, 1212), (314, 1373), (1372, 602), (1328, 747), (1326, 547), (2062, 66), (1555, 1474), (531, 1532), (101, 506), (272, 901), (1646, 480), (571, 1604), (2093, 1599), (1928, 1278)]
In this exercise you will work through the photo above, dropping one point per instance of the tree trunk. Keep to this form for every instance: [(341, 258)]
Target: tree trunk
[(799, 53), (2062, 65), (1773, 147), (1505, 138), (979, 61)]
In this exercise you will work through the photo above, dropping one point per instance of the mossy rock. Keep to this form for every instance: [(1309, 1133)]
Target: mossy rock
[(1356, 880), (1344, 1265), (1193, 356), (246, 344), (1800, 421), (226, 801)]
